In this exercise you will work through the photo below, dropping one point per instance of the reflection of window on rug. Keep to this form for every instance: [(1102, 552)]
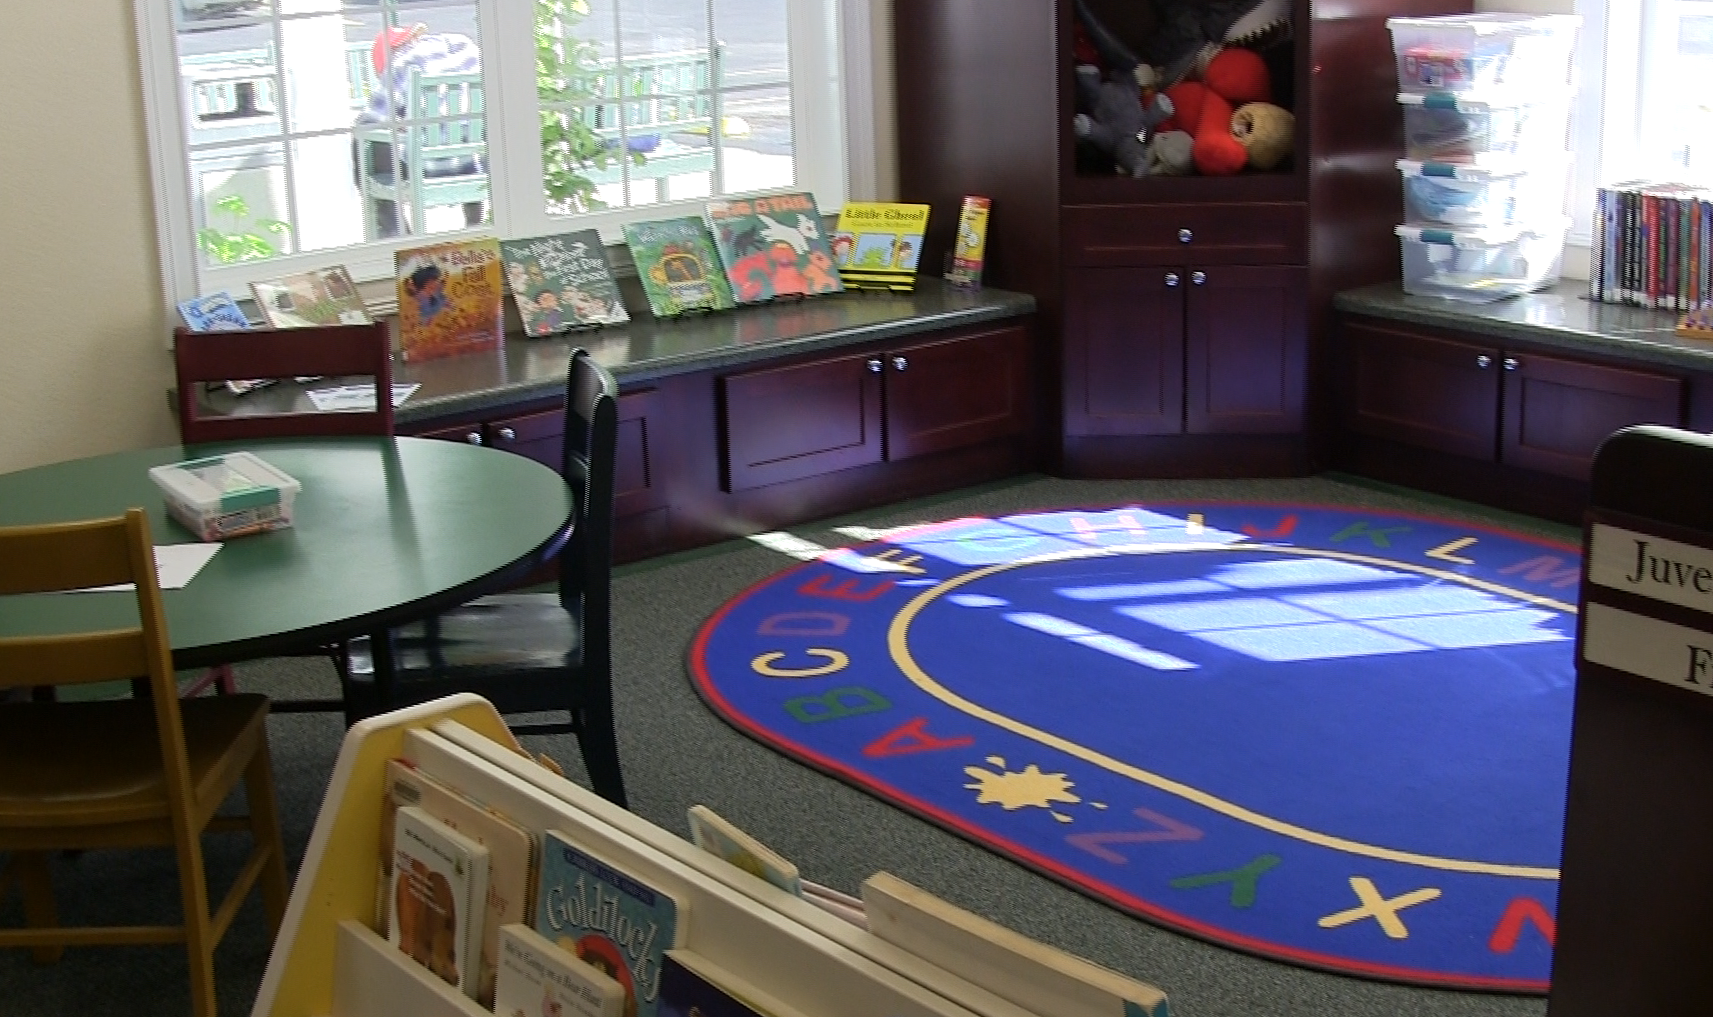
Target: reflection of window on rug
[(1321, 610)]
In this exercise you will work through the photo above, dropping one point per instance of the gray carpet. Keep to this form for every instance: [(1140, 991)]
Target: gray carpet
[(676, 754)]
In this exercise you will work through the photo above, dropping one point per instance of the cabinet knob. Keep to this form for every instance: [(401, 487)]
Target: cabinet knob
[(1483, 361), (474, 437), (899, 363), (1511, 363), (1171, 278), (507, 434), (874, 367), (1185, 236), (1199, 278)]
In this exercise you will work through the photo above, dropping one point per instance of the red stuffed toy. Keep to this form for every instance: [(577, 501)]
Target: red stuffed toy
[(1233, 77)]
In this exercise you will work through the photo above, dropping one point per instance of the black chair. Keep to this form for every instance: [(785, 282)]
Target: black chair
[(535, 652)]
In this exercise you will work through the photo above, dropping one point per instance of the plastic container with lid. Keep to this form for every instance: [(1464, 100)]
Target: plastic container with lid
[(1465, 53), (227, 495), (1447, 127), (1464, 197), (1481, 266)]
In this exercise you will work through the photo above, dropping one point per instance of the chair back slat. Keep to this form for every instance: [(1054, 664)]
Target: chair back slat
[(586, 565), (66, 556), (329, 351), (74, 659)]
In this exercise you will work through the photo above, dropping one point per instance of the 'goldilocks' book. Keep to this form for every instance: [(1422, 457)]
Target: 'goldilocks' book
[(450, 299), (607, 918), (676, 262), (440, 879), (562, 282), (877, 243), (773, 247)]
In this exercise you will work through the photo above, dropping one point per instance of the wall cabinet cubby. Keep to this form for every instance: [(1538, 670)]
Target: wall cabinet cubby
[(1495, 402), (888, 405)]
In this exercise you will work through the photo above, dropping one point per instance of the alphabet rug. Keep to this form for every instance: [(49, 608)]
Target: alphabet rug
[(1331, 736)]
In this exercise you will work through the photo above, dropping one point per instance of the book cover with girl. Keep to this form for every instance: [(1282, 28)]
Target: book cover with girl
[(450, 299)]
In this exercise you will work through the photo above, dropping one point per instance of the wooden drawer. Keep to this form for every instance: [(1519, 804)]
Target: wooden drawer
[(1557, 412), (1235, 233), (787, 423), (1422, 390), (538, 436)]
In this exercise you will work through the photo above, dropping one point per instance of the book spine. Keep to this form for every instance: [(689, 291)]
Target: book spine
[(1632, 246), (1596, 270)]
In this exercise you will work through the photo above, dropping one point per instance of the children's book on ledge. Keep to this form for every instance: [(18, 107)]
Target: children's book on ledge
[(773, 247), (676, 263), (450, 299), (562, 282), (325, 296), (877, 244), (216, 312)]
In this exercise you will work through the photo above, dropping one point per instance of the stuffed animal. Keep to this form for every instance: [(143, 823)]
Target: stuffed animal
[(1266, 131), (1171, 154), (1233, 78), (1121, 115)]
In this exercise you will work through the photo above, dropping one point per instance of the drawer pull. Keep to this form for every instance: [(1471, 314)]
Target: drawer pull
[(474, 437), (874, 367), (1484, 361), (1511, 363), (1199, 278), (1185, 236), (1171, 278), (899, 363), (507, 434)]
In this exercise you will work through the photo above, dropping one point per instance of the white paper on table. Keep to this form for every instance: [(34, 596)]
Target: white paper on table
[(355, 397), (175, 566)]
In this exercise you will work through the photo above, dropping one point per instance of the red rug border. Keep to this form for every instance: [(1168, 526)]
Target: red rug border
[(1089, 886)]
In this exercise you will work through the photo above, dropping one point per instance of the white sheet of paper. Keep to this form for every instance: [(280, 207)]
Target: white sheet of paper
[(175, 566), (355, 397)]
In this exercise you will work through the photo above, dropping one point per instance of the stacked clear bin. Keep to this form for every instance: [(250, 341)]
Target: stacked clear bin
[(1486, 106)]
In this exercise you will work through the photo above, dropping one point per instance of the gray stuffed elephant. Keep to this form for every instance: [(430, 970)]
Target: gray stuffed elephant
[(1118, 123)]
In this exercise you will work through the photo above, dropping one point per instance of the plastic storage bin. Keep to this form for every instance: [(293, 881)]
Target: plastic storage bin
[(1446, 127), (1481, 265), (1525, 53), (226, 495), (1463, 197)]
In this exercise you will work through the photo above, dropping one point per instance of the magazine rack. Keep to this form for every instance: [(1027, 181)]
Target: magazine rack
[(327, 961)]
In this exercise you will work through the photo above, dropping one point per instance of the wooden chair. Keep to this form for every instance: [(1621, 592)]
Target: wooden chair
[(125, 772), (331, 350), (536, 652), (435, 160)]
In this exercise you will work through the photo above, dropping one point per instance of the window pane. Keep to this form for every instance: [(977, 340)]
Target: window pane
[(242, 209), (1677, 90), (755, 94)]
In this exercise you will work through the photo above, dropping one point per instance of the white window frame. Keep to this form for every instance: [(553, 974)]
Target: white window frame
[(836, 140)]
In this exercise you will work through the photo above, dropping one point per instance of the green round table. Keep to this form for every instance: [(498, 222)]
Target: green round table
[(385, 531)]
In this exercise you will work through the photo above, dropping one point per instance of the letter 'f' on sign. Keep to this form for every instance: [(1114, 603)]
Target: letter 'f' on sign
[(1700, 657)]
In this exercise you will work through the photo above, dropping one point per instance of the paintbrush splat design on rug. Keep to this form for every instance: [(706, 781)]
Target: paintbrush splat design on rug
[(1329, 736)]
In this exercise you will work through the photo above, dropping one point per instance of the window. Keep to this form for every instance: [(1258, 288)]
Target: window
[(292, 134)]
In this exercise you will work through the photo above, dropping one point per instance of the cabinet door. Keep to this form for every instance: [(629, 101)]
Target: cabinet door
[(636, 482), (788, 423), (1245, 349), (1124, 351), (538, 436), (1557, 412), (956, 392), (1435, 393)]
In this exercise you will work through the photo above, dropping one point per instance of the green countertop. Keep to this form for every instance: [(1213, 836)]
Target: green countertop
[(526, 370), (1561, 317)]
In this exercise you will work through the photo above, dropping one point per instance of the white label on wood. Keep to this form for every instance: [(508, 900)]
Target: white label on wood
[(1651, 566), (1648, 648)]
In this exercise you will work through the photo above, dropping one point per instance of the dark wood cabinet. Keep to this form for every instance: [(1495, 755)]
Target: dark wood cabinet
[(891, 404), (1145, 379), (1497, 402)]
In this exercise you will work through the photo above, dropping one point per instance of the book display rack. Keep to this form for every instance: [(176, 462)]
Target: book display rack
[(330, 962)]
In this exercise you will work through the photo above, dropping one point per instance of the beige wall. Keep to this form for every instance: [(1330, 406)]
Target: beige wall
[(85, 363)]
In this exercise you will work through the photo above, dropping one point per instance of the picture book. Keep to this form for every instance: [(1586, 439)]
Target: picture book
[(676, 262), (1035, 976), (607, 918), (326, 296), (216, 312), (562, 282), (538, 979), (877, 243), (718, 837), (450, 299), (511, 857), (440, 878), (694, 986), (773, 247), (833, 902), (971, 243)]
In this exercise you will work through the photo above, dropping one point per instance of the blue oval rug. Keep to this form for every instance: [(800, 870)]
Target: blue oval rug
[(1329, 736)]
